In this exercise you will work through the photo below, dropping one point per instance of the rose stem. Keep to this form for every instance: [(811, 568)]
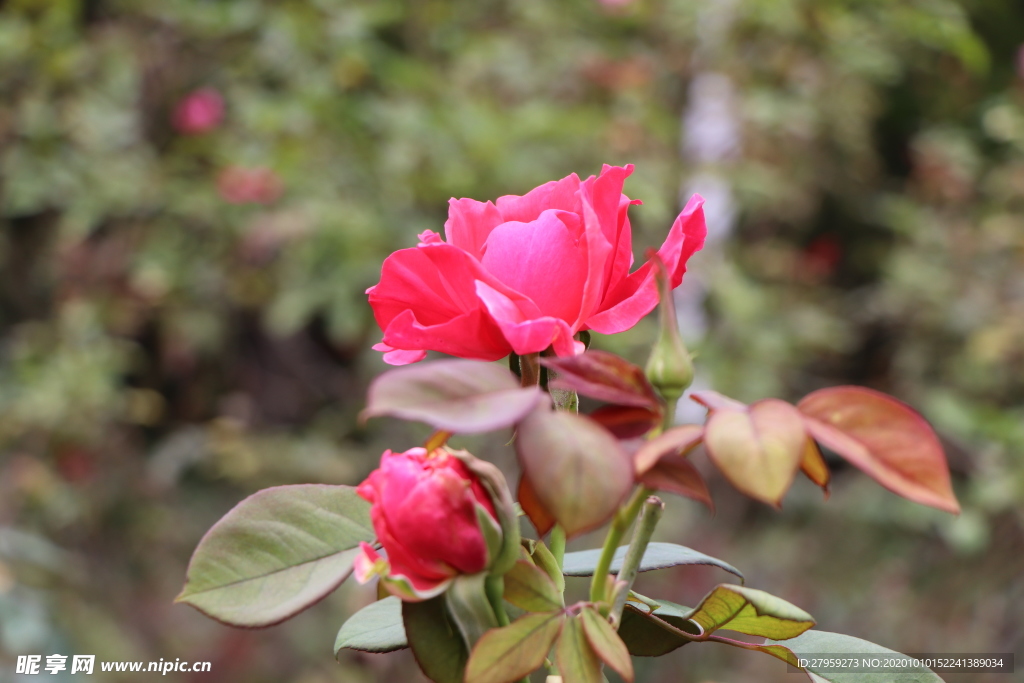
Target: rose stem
[(529, 367), (494, 586), (620, 525), (557, 541), (650, 513)]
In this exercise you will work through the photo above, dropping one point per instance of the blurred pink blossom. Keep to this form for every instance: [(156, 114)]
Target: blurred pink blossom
[(240, 185), (199, 112), (615, 3)]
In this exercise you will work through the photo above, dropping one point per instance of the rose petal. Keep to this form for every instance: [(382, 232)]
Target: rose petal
[(556, 194), (637, 295), (430, 509), (426, 300), (469, 223), (542, 260), (399, 356), (526, 334)]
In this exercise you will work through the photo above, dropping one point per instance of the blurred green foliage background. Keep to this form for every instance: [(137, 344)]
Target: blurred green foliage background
[(182, 317)]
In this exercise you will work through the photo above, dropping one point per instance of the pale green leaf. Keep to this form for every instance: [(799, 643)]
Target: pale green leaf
[(375, 628), (276, 553)]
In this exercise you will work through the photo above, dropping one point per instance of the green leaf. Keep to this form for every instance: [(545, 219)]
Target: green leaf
[(750, 611), (435, 640), (657, 556), (649, 635), (543, 558), (578, 471), (509, 653), (462, 396), (276, 553), (375, 628), (759, 450), (607, 643), (529, 587), (825, 644), (885, 438), (576, 659)]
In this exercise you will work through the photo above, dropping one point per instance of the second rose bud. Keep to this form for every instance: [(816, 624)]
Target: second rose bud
[(437, 515)]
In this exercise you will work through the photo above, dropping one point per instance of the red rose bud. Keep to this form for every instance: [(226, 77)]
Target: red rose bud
[(526, 273), (199, 112), (434, 519), (670, 367)]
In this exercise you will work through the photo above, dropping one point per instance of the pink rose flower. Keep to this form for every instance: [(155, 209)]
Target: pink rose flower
[(525, 273), (199, 112), (426, 513)]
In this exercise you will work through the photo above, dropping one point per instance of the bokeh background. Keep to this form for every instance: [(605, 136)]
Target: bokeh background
[(195, 194)]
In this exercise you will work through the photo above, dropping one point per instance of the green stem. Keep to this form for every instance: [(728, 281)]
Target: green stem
[(557, 544), (620, 525), (670, 412), (494, 586), (650, 514)]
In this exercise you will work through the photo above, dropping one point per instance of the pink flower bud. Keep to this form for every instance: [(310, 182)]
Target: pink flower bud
[(199, 112), (238, 185), (426, 513)]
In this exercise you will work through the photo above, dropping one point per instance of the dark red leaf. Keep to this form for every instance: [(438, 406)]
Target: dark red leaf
[(606, 377), (676, 474), (676, 441), (626, 422)]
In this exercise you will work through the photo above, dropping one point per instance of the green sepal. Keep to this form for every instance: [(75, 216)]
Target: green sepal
[(505, 508), (469, 607)]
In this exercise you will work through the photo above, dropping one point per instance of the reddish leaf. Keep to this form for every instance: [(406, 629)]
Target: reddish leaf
[(887, 439), (678, 440), (529, 588), (676, 474), (461, 396), (626, 422), (813, 465), (606, 643), (712, 400), (576, 659), (606, 377), (539, 516), (577, 469), (759, 449), (661, 464), (509, 653)]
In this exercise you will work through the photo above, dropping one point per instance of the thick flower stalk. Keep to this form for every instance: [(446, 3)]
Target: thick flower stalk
[(434, 519), (526, 273)]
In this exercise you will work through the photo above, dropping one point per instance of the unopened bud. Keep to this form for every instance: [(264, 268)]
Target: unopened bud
[(670, 367)]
